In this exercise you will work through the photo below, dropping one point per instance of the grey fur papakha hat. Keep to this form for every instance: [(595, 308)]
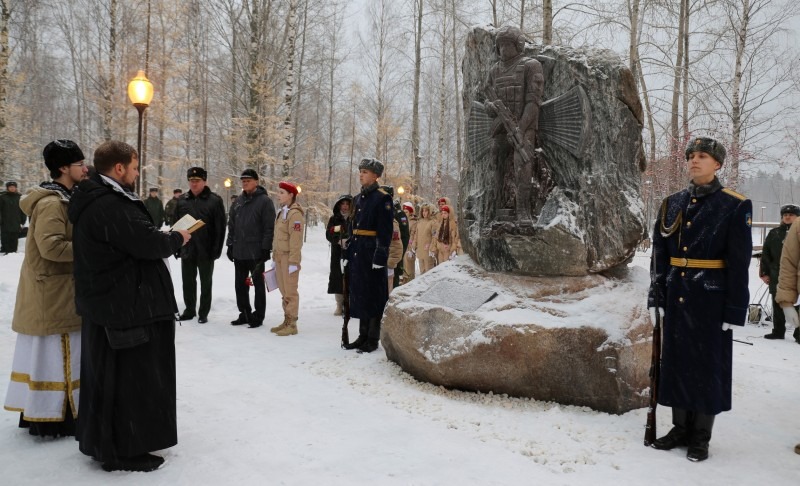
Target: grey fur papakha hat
[(707, 145), (372, 165)]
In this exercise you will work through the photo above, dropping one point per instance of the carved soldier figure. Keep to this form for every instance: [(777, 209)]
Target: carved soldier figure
[(514, 93)]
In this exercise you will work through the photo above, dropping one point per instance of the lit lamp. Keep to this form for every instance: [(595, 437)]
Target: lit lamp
[(401, 190), (140, 92), (227, 185)]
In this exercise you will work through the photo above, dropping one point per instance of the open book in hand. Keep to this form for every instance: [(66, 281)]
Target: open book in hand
[(188, 223)]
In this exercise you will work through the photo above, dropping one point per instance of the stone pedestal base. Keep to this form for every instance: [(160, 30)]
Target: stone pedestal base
[(573, 340)]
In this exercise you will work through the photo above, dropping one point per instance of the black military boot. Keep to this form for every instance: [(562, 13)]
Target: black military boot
[(363, 329), (679, 435), (373, 336), (700, 437)]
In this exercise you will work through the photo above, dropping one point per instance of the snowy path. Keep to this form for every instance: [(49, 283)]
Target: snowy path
[(254, 408)]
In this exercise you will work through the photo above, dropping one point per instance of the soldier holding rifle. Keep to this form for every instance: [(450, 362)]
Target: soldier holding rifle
[(701, 254)]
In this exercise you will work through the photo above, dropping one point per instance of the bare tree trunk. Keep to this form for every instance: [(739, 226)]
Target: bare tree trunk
[(437, 181), (300, 66), (494, 12), (111, 80), (649, 113), (418, 5), (331, 88), (685, 126), (633, 44), (456, 85), (288, 128), (674, 148), (522, 15), (547, 22), (5, 18), (734, 154)]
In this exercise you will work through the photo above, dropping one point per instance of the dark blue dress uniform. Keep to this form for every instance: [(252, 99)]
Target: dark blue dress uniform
[(702, 248), (371, 233)]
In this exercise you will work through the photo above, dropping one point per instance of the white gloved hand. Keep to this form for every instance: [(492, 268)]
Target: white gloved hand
[(792, 319), (410, 254), (431, 254), (390, 272), (653, 314), (292, 268), (726, 326), (375, 267)]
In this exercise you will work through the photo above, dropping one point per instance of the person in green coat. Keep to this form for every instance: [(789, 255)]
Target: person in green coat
[(155, 208), (11, 218), (771, 264)]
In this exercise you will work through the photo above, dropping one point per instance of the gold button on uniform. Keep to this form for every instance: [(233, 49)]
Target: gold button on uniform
[(680, 300), (688, 224), (683, 274), (685, 249), (694, 200)]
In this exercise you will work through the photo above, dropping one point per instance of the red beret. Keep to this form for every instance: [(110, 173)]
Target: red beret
[(445, 208), (409, 206), (441, 199), (288, 187)]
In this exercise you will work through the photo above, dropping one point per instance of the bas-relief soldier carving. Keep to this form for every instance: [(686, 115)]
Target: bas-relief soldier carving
[(514, 93)]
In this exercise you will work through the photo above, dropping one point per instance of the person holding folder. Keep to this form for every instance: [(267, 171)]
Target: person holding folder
[(286, 246)]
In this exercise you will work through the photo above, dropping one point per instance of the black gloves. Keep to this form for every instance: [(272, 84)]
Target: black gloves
[(264, 255), (230, 253)]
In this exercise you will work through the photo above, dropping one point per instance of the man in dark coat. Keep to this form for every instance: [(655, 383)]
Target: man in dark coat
[(701, 254), (771, 264), (335, 231), (155, 208), (11, 218), (402, 222), (770, 267), (251, 224), (171, 207), (206, 245), (367, 253), (124, 294)]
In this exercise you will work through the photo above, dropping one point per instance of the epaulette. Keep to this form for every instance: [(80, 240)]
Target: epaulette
[(733, 193), (383, 192)]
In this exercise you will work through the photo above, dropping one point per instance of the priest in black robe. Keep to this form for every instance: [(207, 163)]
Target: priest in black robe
[(124, 295)]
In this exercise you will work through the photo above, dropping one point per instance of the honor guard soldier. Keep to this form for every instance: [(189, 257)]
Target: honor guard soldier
[(701, 254), (367, 255)]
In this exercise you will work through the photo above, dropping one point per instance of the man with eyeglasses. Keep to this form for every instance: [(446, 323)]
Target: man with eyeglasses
[(11, 219), (251, 225), (48, 328)]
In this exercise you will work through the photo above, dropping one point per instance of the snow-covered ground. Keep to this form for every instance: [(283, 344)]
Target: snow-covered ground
[(254, 408)]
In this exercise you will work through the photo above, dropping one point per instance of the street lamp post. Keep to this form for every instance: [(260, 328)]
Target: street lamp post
[(140, 92), (227, 185)]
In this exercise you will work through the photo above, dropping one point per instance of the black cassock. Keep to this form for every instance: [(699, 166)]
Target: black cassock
[(124, 293), (127, 401)]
